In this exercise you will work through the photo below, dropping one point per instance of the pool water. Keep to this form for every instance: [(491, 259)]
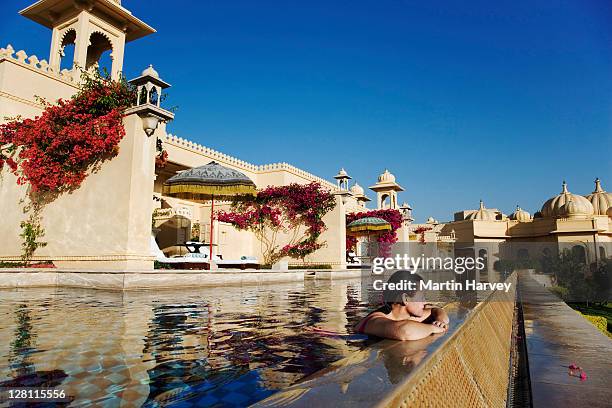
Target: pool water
[(224, 347)]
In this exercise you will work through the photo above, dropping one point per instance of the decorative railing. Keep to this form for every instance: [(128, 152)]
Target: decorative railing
[(166, 213), (241, 164), (33, 62)]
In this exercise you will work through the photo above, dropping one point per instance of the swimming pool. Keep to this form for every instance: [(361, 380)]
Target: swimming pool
[(224, 347)]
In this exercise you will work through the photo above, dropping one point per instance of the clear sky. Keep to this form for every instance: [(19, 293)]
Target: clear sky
[(499, 100)]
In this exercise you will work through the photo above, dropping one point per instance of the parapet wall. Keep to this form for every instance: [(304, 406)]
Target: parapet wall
[(242, 165), (471, 368)]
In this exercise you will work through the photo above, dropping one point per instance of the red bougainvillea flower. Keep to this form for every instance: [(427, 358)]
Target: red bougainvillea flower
[(54, 151)]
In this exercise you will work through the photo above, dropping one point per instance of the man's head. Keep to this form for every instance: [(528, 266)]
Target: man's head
[(405, 292)]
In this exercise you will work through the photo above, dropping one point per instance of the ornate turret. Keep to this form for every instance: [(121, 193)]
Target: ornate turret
[(386, 188), (93, 26), (342, 179), (359, 194)]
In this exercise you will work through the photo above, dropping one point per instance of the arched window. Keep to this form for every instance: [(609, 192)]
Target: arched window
[(99, 53), (67, 50), (482, 253), (579, 253), (153, 96), (385, 201), (602, 253), (142, 96)]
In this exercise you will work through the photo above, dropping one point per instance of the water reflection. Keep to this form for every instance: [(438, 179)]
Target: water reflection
[(206, 347)]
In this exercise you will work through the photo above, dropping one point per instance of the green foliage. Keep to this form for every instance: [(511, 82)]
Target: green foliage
[(161, 265), (504, 266), (583, 282), (195, 231), (316, 266), (560, 291), (11, 264), (31, 232), (508, 265)]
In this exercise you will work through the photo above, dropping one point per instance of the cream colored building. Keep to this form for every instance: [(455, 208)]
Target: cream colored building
[(565, 221), (107, 222)]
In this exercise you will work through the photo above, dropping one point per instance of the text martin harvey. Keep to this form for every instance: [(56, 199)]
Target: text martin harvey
[(448, 285)]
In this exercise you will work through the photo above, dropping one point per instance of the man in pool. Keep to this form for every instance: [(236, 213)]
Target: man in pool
[(405, 315)]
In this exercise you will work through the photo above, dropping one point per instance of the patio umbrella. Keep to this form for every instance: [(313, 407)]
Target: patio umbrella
[(205, 183), (367, 226)]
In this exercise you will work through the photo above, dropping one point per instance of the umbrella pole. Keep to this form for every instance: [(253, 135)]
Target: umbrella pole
[(212, 217)]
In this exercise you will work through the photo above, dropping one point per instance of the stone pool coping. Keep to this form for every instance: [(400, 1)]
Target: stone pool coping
[(11, 278), (556, 336)]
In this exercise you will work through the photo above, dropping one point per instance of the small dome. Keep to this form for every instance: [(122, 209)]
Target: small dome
[(574, 209), (520, 215), (342, 174), (553, 206), (482, 214), (150, 72), (386, 177), (600, 200), (432, 220), (357, 189)]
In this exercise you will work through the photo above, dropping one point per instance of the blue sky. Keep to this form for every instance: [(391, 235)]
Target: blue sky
[(460, 100)]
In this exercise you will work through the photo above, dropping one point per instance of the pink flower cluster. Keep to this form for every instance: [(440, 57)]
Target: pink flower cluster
[(285, 208), (385, 240)]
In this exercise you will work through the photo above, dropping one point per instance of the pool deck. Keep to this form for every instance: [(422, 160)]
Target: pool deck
[(11, 278), (557, 336)]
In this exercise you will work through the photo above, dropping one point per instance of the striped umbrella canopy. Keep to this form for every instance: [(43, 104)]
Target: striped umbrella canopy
[(205, 183), (367, 225)]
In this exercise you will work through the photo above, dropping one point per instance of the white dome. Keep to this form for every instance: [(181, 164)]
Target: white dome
[(520, 215), (357, 189), (386, 177), (482, 214), (554, 206), (600, 200), (150, 72)]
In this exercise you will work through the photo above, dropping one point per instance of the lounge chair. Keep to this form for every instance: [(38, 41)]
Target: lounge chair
[(201, 261), (180, 262), (352, 260)]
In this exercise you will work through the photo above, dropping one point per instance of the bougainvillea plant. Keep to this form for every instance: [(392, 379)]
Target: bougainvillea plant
[(386, 239), (421, 231), (295, 211), (53, 153), (161, 157)]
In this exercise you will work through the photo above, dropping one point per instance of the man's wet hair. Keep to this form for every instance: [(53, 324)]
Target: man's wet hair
[(402, 276)]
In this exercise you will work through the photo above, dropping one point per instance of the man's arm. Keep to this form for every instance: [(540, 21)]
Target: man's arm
[(400, 329), (437, 316)]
